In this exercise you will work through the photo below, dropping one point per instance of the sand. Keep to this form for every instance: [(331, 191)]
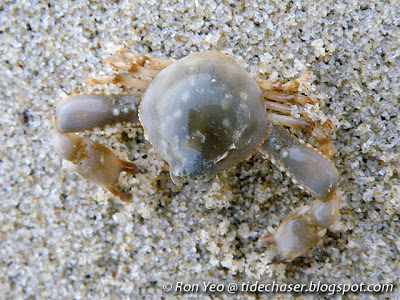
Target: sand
[(64, 238)]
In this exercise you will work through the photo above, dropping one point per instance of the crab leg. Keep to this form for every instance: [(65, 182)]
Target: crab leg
[(290, 86), (140, 66), (124, 80), (316, 174), (303, 123), (288, 98), (92, 160), (285, 120), (152, 63), (143, 68), (132, 68), (279, 99)]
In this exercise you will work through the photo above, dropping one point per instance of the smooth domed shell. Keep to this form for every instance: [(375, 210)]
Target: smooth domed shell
[(203, 114)]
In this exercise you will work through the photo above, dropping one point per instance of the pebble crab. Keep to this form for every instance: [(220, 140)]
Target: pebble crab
[(204, 114)]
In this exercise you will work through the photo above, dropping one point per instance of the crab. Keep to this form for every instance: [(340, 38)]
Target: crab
[(204, 114)]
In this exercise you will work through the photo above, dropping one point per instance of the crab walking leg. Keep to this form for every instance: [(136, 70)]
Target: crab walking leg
[(302, 123), (137, 70), (323, 140), (124, 80), (316, 173), (269, 85), (92, 160), (280, 114), (279, 98), (285, 120), (152, 63), (290, 86), (140, 66), (288, 98)]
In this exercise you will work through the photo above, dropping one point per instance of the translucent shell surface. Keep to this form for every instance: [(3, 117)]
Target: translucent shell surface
[(203, 114)]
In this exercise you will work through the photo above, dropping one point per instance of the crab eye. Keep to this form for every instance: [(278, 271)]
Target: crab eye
[(204, 114)]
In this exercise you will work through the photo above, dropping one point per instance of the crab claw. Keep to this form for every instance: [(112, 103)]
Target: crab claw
[(302, 231), (93, 161), (316, 174)]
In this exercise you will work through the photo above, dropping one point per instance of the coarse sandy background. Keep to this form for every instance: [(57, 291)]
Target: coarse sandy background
[(64, 238)]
